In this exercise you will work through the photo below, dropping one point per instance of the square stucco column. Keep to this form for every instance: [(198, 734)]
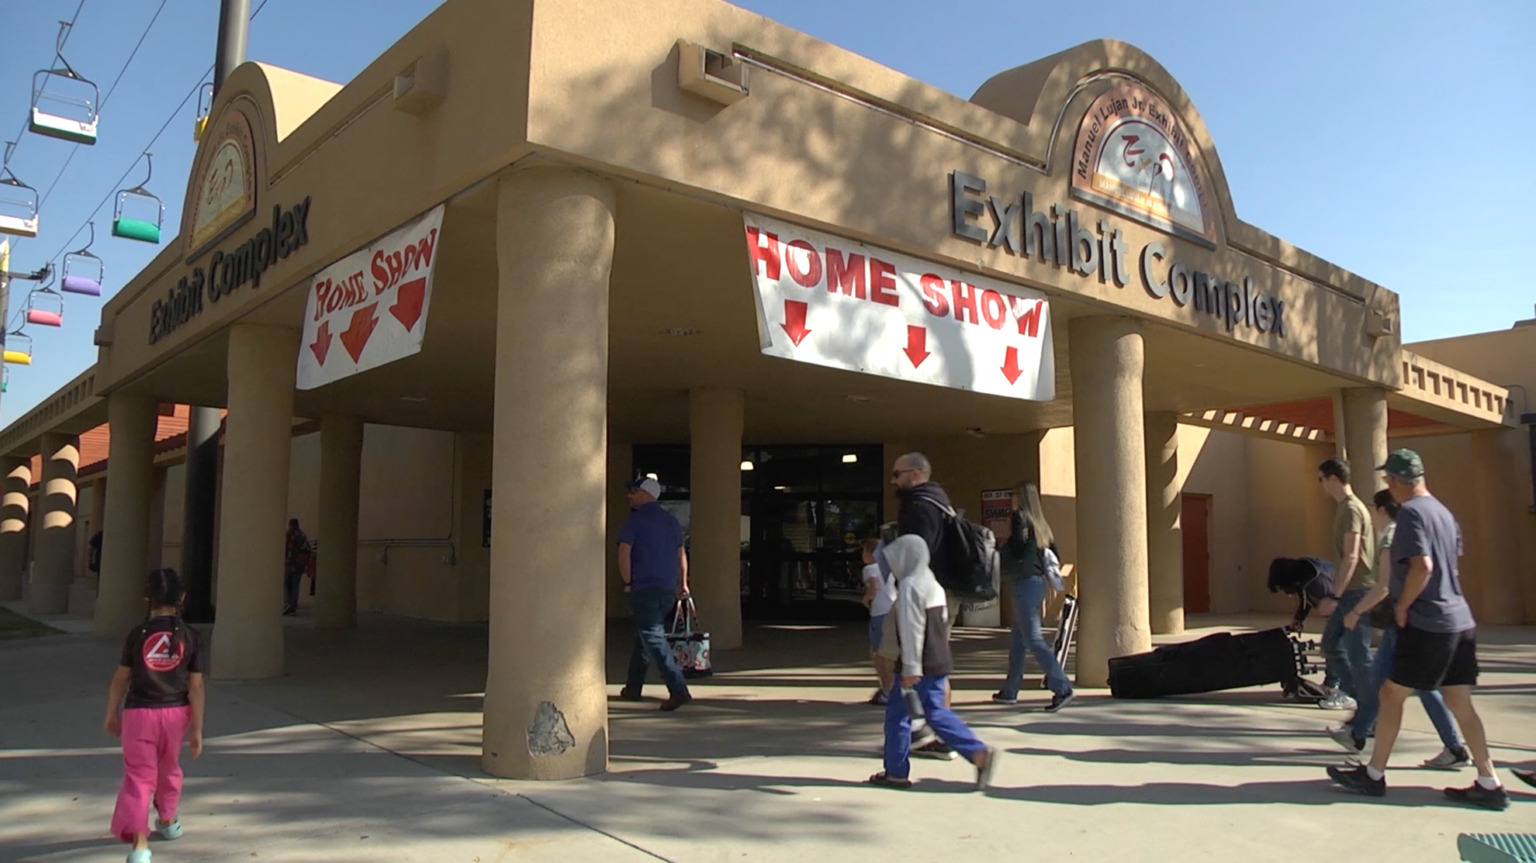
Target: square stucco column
[(15, 514), (1364, 411), (341, 462), (258, 436), (1165, 539), (546, 706), (126, 515), (1497, 511), (1107, 358), (55, 567), (715, 421)]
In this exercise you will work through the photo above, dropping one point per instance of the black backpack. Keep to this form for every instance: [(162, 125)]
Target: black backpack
[(970, 570)]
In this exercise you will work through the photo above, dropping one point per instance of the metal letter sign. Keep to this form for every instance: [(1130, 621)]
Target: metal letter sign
[(838, 303)]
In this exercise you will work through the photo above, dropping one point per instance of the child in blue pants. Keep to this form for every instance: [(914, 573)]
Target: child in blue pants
[(923, 633)]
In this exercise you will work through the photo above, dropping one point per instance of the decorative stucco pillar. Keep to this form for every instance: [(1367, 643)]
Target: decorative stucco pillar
[(341, 461), (1364, 411), (55, 567), (1107, 357), (715, 423), (126, 515), (1498, 585), (546, 709), (1165, 541), (15, 517), (258, 436)]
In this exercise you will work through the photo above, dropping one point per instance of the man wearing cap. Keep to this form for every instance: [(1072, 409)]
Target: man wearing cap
[(1437, 637), (654, 567)]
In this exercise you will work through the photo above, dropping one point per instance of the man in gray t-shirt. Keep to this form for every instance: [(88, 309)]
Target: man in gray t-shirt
[(1425, 528), (1437, 637)]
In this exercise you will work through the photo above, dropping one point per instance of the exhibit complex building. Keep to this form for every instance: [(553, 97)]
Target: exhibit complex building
[(539, 247)]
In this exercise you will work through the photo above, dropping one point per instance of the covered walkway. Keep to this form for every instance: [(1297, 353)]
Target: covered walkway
[(369, 750)]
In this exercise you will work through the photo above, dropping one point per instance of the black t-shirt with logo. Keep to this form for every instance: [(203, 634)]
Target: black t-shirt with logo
[(163, 653)]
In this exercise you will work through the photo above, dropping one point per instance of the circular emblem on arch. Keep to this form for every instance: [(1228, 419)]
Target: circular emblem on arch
[(1134, 156), (222, 191)]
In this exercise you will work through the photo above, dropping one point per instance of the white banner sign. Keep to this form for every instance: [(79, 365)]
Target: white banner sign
[(839, 303), (370, 308)]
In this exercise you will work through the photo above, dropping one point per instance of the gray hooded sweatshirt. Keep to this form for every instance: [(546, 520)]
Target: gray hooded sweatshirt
[(922, 624)]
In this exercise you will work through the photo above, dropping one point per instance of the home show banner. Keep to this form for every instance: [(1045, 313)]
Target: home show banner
[(836, 302), (370, 308)]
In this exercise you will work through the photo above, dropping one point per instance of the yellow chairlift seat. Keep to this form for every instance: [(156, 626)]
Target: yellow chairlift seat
[(18, 348), (204, 109)]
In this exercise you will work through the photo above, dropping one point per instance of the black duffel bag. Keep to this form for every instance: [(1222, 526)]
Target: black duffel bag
[(1213, 663)]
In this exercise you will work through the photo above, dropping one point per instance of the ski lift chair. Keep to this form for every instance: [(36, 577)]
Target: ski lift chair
[(5, 379), (138, 214), (18, 206), (64, 105), (204, 110), (18, 348), (45, 306), (83, 271)]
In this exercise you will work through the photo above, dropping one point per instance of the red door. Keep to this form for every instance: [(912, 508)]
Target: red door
[(1195, 521)]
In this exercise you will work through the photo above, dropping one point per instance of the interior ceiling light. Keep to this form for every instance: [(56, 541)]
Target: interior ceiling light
[(413, 399), (851, 458), (653, 476), (681, 331), (859, 399), (747, 465), (975, 431)]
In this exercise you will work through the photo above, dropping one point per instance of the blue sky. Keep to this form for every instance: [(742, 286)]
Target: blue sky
[(1393, 139)]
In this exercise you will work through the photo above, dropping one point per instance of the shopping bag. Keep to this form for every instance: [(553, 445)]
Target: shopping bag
[(689, 645)]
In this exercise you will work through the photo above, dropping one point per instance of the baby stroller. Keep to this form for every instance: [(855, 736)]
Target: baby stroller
[(1310, 580)]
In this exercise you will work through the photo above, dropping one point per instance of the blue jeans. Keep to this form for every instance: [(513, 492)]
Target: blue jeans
[(651, 608), (1347, 651), (1028, 593), (1364, 722), (950, 727), (292, 577)]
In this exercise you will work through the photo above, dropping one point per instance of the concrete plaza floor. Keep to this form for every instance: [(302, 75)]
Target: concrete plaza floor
[(369, 750)]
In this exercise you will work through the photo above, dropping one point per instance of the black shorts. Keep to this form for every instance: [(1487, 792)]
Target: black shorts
[(1430, 660)]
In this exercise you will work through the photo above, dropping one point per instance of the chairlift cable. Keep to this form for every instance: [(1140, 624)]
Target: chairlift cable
[(120, 180), (69, 29), (103, 105)]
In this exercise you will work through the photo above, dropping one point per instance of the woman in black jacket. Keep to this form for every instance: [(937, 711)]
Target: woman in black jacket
[(1023, 558)]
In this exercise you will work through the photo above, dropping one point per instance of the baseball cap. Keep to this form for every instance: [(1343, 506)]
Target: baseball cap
[(1404, 464), (645, 484)]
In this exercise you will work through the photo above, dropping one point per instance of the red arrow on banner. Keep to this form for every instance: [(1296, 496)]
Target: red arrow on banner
[(917, 345), (1011, 369), (356, 336), (407, 307), (794, 321), (322, 345)]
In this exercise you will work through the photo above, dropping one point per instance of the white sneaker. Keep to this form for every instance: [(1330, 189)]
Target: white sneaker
[(1337, 700), (1449, 759), (1344, 735)]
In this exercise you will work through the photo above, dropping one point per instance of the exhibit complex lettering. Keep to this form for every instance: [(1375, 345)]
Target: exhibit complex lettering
[(1062, 238), (227, 271)]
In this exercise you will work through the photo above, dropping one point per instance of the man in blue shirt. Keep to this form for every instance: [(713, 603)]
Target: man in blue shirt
[(1437, 637), (654, 567)]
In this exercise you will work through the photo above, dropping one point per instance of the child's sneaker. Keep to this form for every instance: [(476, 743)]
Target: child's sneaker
[(139, 856), (168, 831)]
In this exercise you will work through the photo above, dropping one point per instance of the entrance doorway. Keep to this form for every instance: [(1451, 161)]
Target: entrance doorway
[(1195, 523), (805, 510)]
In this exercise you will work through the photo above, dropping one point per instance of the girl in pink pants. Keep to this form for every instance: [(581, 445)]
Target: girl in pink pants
[(155, 699)]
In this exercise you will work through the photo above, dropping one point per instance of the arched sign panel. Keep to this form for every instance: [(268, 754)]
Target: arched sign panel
[(223, 183), (1133, 156)]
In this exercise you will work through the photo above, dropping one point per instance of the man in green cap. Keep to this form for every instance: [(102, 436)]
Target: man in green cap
[(1437, 637)]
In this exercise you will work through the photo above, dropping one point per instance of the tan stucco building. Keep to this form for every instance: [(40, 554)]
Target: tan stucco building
[(596, 311)]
